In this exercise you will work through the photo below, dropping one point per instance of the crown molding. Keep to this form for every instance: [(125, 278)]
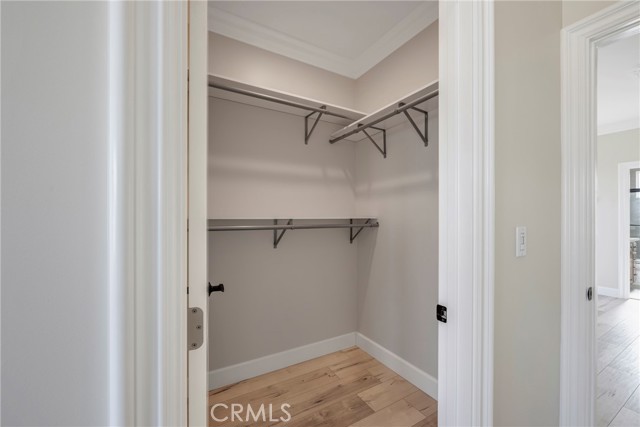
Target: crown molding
[(246, 31), (424, 15)]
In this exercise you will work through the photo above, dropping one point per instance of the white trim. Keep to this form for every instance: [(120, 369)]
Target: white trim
[(466, 213), (406, 370), (197, 206), (578, 107), (0, 223), (246, 31), (621, 126), (609, 292), (147, 215), (624, 231), (253, 368), (423, 16)]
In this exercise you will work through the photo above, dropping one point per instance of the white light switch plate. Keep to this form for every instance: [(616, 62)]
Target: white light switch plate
[(521, 241)]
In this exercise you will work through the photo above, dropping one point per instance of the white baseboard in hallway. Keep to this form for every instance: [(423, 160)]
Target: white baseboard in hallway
[(406, 370), (253, 368), (609, 292)]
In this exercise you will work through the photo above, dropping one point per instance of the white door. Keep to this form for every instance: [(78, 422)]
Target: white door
[(197, 205)]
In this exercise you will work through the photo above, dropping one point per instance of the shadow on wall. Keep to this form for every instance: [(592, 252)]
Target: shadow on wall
[(403, 170), (259, 165)]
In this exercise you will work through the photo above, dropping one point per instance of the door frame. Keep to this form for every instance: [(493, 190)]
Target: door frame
[(579, 136), (466, 213), (624, 231), (198, 360), (147, 209)]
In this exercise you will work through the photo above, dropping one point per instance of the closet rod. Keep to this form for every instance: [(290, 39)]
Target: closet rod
[(288, 226), (400, 109), (278, 100)]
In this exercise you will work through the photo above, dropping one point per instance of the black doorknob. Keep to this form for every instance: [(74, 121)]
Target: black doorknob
[(219, 288)]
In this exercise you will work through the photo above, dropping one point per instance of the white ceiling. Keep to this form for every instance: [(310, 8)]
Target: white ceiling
[(345, 37), (619, 85)]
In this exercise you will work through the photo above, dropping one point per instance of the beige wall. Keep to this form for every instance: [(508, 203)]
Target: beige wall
[(413, 65), (398, 265), (614, 148), (575, 10), (249, 64), (527, 290), (305, 290), (58, 329)]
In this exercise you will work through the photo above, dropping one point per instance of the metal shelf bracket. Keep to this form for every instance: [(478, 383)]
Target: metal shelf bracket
[(352, 235), (307, 132), (423, 136), (383, 149), (278, 236)]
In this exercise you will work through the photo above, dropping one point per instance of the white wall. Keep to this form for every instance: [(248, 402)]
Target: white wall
[(305, 290), (614, 148), (527, 175), (54, 214)]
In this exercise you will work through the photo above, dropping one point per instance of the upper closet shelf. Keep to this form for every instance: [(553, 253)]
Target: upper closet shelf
[(312, 110), (414, 108)]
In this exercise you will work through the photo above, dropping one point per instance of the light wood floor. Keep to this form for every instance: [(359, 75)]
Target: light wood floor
[(618, 380), (347, 388)]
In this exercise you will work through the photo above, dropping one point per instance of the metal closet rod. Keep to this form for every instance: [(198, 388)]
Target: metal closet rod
[(361, 127), (288, 226), (277, 100)]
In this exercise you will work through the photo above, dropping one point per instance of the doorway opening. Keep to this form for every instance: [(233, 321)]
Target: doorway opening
[(618, 155), (323, 213), (601, 340)]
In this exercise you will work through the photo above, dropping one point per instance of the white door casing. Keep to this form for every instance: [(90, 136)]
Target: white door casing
[(466, 231), (578, 107), (197, 269), (147, 213), (624, 231)]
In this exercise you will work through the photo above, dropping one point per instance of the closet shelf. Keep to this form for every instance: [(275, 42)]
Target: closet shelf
[(421, 101), (280, 228), (311, 110)]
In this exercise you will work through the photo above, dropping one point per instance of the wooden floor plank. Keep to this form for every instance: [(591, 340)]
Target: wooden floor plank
[(430, 421), (400, 414), (381, 372), (341, 389), (305, 404), (422, 402), (387, 393), (341, 413), (618, 360), (233, 390), (626, 418), (358, 361)]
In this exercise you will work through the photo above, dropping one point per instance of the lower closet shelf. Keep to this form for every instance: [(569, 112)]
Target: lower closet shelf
[(355, 226)]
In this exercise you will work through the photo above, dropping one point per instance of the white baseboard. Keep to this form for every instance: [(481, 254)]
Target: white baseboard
[(609, 292), (252, 368), (406, 370)]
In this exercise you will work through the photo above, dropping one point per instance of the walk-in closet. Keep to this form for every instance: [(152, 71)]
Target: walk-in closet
[(323, 212)]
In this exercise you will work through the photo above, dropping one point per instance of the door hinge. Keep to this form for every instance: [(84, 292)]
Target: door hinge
[(195, 328), (441, 313)]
